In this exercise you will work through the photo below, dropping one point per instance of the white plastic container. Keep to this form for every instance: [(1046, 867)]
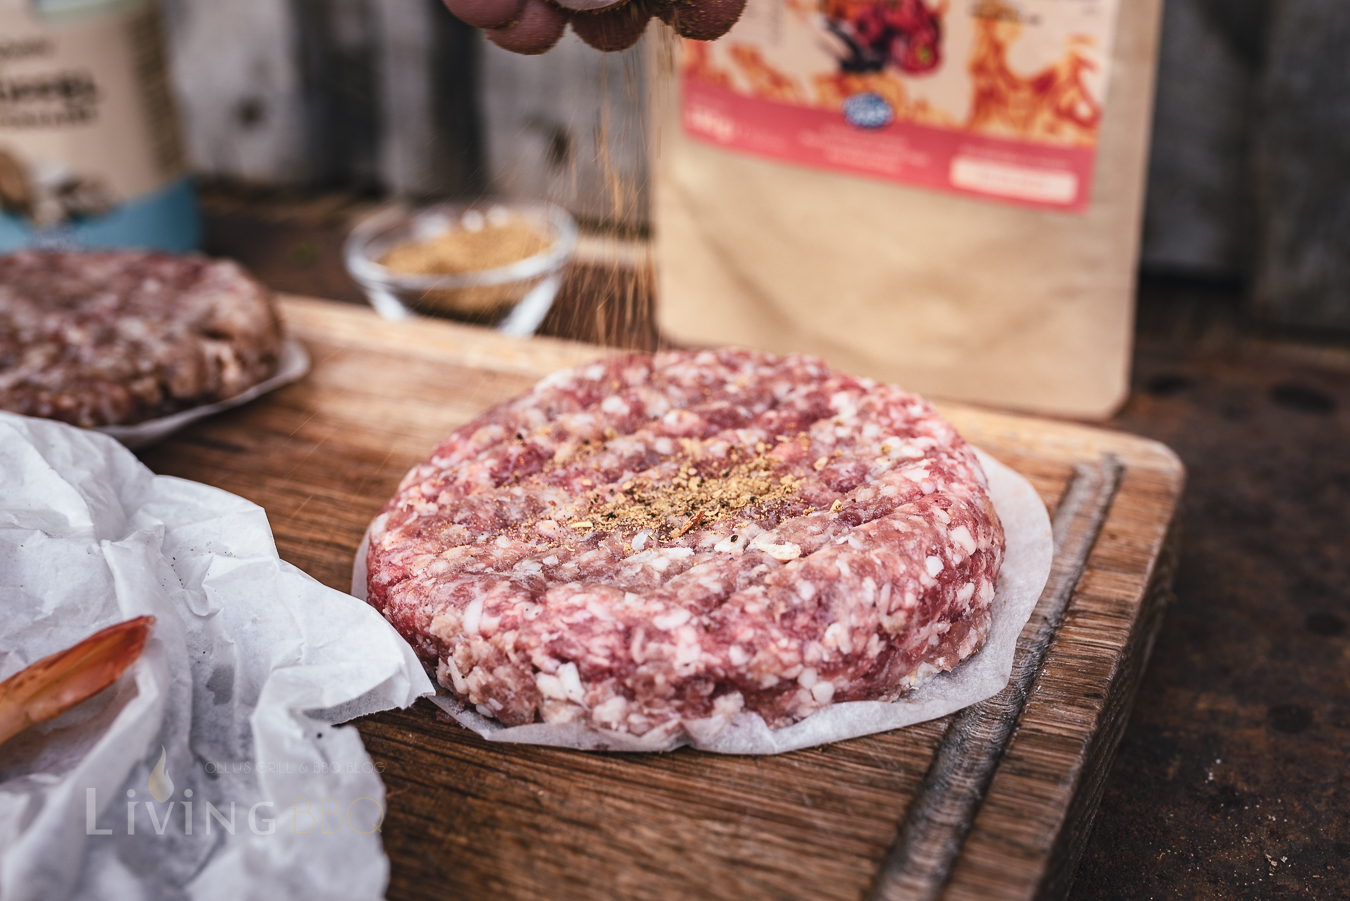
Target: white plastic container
[(90, 148)]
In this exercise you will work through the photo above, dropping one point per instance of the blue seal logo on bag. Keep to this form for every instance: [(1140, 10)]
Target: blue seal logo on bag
[(868, 110)]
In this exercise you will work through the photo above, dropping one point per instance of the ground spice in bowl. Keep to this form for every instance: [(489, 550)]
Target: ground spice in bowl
[(462, 250), (498, 265)]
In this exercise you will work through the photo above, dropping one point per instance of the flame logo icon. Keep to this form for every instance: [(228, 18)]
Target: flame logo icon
[(161, 786)]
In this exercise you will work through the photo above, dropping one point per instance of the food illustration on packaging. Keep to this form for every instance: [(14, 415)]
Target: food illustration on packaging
[(1054, 105), (906, 34), (997, 98)]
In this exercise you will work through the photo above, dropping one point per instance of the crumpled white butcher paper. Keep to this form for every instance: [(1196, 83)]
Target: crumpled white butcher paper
[(1026, 569), (211, 769)]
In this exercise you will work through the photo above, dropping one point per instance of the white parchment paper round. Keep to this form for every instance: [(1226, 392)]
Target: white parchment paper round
[(249, 664), (292, 364), (1026, 568)]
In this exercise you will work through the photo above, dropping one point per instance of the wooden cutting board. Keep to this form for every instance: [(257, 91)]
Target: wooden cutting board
[(994, 802)]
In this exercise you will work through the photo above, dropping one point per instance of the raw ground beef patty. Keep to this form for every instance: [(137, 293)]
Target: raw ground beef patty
[(647, 541), (118, 338)]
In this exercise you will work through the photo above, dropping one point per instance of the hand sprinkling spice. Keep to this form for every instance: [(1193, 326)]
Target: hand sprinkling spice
[(534, 26)]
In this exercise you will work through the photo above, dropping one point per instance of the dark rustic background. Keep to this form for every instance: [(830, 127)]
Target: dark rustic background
[(1249, 178)]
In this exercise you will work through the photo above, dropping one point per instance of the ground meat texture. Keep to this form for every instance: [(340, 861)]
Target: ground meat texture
[(118, 338), (652, 540)]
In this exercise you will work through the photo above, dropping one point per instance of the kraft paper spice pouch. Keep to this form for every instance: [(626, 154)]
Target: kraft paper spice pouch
[(943, 195)]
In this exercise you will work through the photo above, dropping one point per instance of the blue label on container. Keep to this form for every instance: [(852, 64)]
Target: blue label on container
[(167, 219)]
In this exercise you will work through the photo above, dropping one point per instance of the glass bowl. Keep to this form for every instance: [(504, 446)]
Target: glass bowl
[(513, 298)]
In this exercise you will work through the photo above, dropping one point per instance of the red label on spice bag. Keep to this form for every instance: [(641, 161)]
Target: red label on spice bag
[(1001, 100)]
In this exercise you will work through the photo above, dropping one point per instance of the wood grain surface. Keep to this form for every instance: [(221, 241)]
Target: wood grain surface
[(471, 820)]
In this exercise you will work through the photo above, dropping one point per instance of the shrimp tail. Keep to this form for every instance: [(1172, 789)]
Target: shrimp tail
[(53, 685)]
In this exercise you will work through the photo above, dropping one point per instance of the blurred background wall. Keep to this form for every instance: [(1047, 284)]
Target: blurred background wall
[(1249, 180), (1250, 171)]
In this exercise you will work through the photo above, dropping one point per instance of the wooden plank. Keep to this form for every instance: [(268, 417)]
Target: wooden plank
[(1300, 130), (475, 819), (339, 60), (239, 88), (472, 350), (429, 130), (1199, 218), (941, 814), (1029, 834)]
